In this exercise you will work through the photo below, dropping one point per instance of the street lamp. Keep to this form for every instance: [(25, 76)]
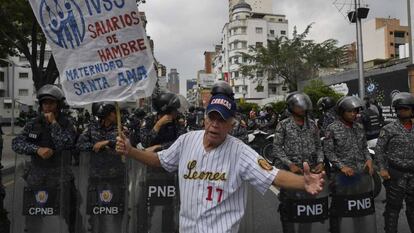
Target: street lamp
[(12, 90), (355, 17)]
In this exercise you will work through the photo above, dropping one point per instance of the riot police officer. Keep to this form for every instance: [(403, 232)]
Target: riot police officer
[(164, 131), (50, 189), (297, 141), (271, 118), (326, 107), (346, 148), (395, 155), (107, 176), (135, 124)]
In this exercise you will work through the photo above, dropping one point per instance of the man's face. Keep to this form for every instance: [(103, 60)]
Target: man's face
[(404, 112), (216, 128), (111, 118), (299, 111), (49, 105), (350, 116)]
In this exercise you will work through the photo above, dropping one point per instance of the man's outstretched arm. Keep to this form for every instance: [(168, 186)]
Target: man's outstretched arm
[(148, 156), (312, 183)]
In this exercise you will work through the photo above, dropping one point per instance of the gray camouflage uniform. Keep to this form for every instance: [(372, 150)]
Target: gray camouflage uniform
[(345, 146), (105, 163), (297, 144), (395, 153)]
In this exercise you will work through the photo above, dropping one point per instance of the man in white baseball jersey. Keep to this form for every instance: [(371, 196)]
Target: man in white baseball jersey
[(213, 168)]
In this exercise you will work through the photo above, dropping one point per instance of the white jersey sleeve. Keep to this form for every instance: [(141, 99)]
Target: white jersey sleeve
[(170, 157), (254, 169)]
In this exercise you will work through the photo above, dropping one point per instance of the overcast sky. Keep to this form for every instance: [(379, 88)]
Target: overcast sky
[(183, 29)]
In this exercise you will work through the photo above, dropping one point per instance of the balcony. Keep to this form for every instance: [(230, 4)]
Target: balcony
[(238, 23)]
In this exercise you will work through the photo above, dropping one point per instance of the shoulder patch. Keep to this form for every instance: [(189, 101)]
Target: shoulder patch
[(264, 164)]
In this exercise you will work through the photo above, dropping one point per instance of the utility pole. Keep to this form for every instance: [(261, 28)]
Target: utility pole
[(360, 51), (410, 67)]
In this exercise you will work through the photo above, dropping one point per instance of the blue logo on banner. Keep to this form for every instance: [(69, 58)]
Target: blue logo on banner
[(63, 22)]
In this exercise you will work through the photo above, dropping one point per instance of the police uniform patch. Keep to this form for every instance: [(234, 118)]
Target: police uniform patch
[(264, 164)]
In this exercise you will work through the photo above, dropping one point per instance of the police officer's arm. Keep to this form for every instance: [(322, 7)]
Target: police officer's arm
[(278, 144), (85, 141), (148, 135), (21, 143), (381, 149), (318, 145), (63, 136), (329, 149)]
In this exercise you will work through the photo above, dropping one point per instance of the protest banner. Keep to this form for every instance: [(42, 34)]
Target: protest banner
[(100, 48)]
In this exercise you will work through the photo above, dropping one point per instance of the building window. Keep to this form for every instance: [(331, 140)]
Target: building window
[(272, 32), (244, 44), (243, 30), (280, 20), (399, 34), (23, 92), (2, 93), (259, 73), (259, 30), (236, 60), (236, 74), (283, 32), (260, 88), (237, 17), (391, 33), (392, 55), (1, 76), (392, 44), (7, 106), (23, 75), (259, 44), (244, 59)]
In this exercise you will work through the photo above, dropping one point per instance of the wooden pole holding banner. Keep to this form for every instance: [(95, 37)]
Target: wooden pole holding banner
[(119, 123), (118, 119)]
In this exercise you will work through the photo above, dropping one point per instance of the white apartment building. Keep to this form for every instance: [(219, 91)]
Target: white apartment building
[(261, 6), (247, 28), (20, 77)]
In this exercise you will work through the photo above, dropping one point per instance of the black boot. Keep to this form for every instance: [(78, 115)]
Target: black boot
[(391, 221)]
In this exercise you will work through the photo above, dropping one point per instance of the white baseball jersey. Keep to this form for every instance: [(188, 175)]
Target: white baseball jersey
[(212, 184)]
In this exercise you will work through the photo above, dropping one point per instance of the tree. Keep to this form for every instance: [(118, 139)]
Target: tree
[(316, 89), (21, 34), (291, 59)]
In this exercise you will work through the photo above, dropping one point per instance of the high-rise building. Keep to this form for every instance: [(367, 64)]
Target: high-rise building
[(382, 38), (247, 28), (174, 81), (208, 61), (349, 54), (258, 6)]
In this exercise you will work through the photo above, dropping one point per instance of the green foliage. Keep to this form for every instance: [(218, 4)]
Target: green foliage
[(21, 34), (280, 106), (246, 107), (316, 89), (291, 59)]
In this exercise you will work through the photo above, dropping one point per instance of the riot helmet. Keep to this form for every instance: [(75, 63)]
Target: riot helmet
[(102, 109), (403, 99), (348, 103), (140, 113), (223, 88), (325, 103), (165, 103), (300, 100), (52, 92)]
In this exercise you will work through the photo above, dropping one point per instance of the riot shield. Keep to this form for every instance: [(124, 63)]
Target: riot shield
[(304, 213), (104, 193), (154, 201), (44, 197), (352, 206)]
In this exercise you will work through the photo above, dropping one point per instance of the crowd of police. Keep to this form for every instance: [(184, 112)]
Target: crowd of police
[(337, 143)]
